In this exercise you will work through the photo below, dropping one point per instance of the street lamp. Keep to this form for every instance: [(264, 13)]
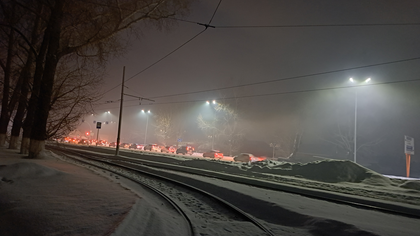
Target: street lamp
[(357, 83), (147, 124), (214, 122)]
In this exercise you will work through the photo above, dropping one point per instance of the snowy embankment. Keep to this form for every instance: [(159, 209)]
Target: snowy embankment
[(50, 196)]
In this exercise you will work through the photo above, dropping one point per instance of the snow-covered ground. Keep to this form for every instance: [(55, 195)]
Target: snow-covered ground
[(52, 197)]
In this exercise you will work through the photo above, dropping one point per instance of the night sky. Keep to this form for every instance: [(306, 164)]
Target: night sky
[(296, 59)]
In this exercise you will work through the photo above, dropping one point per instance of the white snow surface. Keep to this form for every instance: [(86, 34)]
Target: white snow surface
[(52, 197)]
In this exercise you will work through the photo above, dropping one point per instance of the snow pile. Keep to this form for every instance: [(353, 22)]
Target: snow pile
[(51, 197), (330, 171), (29, 170)]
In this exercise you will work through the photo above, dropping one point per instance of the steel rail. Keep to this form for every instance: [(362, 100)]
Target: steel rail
[(155, 190), (381, 206), (247, 216)]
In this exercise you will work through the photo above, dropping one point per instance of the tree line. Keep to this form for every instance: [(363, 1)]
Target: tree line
[(53, 58)]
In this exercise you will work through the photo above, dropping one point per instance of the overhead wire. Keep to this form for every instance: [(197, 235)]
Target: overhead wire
[(280, 93), (313, 25), (288, 78), (265, 26), (170, 53)]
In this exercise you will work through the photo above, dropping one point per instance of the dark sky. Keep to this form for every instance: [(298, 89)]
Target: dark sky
[(300, 58)]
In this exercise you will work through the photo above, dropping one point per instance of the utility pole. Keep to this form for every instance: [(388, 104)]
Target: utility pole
[(117, 150), (121, 109)]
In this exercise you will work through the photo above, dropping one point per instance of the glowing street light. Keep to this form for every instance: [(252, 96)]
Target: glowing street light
[(355, 114), (147, 124), (212, 136), (213, 102)]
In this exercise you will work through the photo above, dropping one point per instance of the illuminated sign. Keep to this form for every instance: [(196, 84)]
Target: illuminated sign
[(409, 145)]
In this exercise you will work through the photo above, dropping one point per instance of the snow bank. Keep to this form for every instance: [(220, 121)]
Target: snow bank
[(29, 170), (330, 171)]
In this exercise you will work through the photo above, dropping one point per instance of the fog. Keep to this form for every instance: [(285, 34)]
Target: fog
[(297, 77)]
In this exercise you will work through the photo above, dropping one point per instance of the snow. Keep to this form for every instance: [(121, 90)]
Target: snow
[(52, 197)]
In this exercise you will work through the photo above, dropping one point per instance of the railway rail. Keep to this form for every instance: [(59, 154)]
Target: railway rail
[(120, 166), (364, 203)]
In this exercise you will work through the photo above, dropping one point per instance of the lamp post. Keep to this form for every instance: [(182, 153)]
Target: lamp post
[(214, 123), (147, 124), (355, 115)]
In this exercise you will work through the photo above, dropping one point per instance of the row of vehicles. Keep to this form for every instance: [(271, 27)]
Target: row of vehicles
[(243, 157), (184, 150), (156, 148)]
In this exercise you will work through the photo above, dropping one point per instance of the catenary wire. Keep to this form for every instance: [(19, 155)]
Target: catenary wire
[(279, 93), (289, 78), (170, 53), (313, 25)]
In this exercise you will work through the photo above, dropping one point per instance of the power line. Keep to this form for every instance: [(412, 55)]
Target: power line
[(156, 62), (290, 78), (313, 25), (287, 78), (283, 93), (173, 51)]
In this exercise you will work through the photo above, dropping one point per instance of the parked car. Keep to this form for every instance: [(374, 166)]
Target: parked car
[(185, 150), (167, 149), (101, 143), (135, 146), (152, 147), (113, 144), (125, 145), (247, 157), (213, 154), (84, 141)]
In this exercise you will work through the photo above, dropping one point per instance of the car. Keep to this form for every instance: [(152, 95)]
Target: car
[(125, 145), (185, 150), (113, 144), (213, 154), (101, 143), (152, 147), (247, 157), (84, 141), (135, 146), (171, 149), (167, 149)]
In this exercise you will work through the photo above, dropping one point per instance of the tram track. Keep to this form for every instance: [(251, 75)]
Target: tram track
[(204, 205), (354, 201)]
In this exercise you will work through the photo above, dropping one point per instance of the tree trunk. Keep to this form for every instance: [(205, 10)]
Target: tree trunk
[(20, 113), (36, 148), (24, 146), (13, 142), (23, 98), (33, 101), (39, 130), (5, 112)]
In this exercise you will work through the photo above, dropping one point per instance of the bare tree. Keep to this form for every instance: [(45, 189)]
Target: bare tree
[(224, 129), (74, 92), (286, 136), (342, 137), (168, 127), (86, 29)]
